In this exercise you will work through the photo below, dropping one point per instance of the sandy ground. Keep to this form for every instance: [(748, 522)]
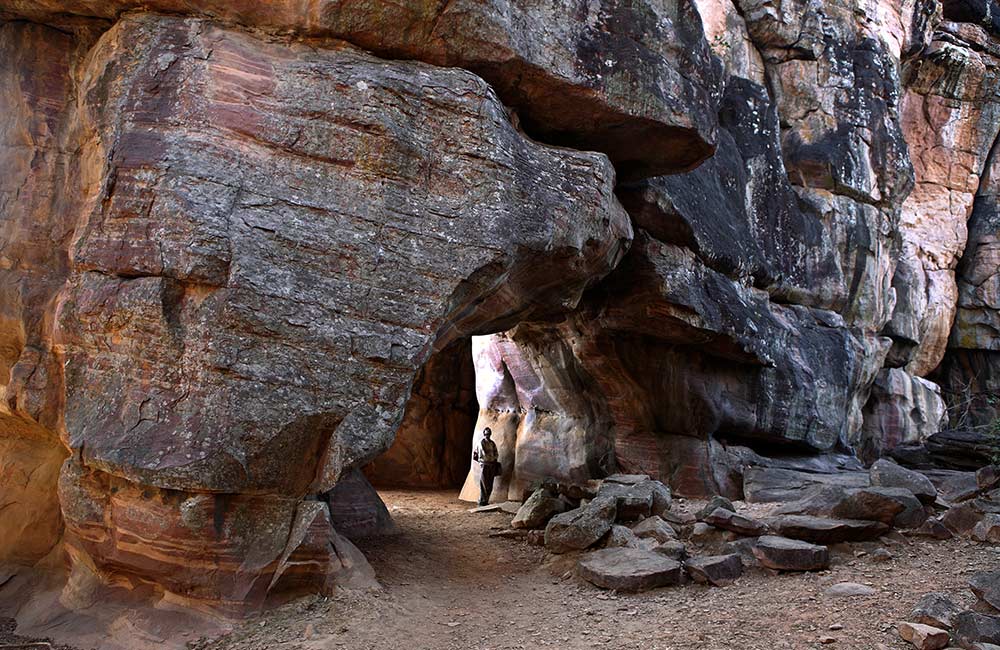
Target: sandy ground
[(448, 585)]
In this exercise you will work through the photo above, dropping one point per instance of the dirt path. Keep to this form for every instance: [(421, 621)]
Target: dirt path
[(448, 585)]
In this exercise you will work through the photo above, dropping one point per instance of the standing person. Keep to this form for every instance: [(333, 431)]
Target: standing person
[(488, 456)]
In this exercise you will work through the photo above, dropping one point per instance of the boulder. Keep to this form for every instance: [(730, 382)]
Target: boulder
[(771, 484), (632, 503), (715, 502), (655, 528), (673, 549), (986, 586), (924, 637), (538, 509), (580, 528), (821, 530), (356, 510), (630, 569), (716, 570), (962, 519), (972, 627), (736, 523), (783, 554), (936, 609), (621, 537), (988, 477), (934, 528), (987, 529), (886, 473), (893, 506)]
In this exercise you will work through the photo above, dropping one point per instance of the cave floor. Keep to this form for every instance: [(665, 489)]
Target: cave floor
[(448, 585)]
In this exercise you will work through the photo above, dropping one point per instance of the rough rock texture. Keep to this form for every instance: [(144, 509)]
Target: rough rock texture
[(729, 245), (937, 610), (632, 79), (782, 554), (902, 409), (630, 569)]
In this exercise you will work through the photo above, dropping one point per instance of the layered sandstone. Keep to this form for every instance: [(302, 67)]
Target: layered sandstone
[(257, 256)]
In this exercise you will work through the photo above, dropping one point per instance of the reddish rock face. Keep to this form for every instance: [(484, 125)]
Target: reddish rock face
[(631, 79)]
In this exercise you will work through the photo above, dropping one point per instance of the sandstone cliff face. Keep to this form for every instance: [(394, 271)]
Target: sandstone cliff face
[(243, 249)]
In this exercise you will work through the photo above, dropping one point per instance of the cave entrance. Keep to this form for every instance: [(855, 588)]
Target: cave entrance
[(433, 446), (430, 457)]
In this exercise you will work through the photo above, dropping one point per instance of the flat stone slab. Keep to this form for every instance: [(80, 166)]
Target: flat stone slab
[(716, 570), (772, 484), (630, 569), (820, 530), (973, 627), (783, 554), (736, 523)]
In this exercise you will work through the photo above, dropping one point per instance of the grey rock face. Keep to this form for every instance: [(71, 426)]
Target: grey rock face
[(986, 586)]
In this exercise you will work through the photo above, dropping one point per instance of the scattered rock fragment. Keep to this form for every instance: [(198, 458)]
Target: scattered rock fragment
[(937, 610), (886, 473), (892, 506), (654, 528), (580, 528), (935, 529), (737, 523), (972, 627), (783, 554), (716, 570), (621, 537), (630, 569), (673, 549), (537, 510), (986, 586), (988, 477), (988, 529), (923, 637), (820, 530), (715, 502)]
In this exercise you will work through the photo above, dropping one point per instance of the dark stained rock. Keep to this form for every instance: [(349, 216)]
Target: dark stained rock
[(655, 528), (356, 510), (963, 449), (537, 510), (972, 627), (782, 554), (894, 506), (580, 528), (986, 586), (988, 477), (885, 473), (988, 529), (736, 523), (634, 80), (937, 610), (716, 570), (820, 530), (934, 528), (283, 292), (962, 519), (629, 569), (714, 503), (673, 549), (622, 536), (639, 498)]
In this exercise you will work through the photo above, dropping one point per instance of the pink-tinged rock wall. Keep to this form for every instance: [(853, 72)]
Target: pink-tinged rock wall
[(244, 245)]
